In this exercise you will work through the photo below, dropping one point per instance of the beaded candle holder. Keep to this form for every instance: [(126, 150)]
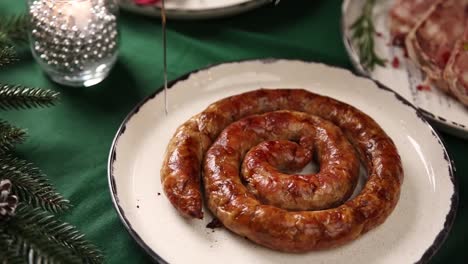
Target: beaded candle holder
[(74, 41)]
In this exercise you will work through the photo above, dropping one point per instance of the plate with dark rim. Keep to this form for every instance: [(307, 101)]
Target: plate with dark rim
[(412, 234), (195, 9), (406, 78)]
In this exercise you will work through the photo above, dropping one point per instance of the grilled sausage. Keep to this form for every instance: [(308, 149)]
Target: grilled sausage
[(217, 140)]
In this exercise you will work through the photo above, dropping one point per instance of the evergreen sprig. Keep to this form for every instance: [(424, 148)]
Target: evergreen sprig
[(10, 136), (44, 237), (8, 253), (31, 185), (33, 234), (363, 35), (7, 56), (21, 97), (14, 29)]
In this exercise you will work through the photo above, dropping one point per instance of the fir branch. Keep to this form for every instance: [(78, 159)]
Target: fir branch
[(36, 248), (10, 136), (14, 29), (363, 35), (17, 97), (7, 252), (31, 185), (44, 236), (7, 56)]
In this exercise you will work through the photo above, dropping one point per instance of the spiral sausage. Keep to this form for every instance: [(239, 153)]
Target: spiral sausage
[(339, 166), (246, 131)]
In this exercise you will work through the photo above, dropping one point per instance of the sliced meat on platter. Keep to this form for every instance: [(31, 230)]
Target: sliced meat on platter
[(432, 41), (456, 72), (405, 15)]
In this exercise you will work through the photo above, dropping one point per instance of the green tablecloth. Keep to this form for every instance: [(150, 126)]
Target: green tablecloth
[(71, 141)]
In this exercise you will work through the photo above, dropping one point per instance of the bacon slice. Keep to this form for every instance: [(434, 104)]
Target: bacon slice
[(456, 72), (405, 15), (431, 42)]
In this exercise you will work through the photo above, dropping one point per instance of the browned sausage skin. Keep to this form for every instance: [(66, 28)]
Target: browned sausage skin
[(203, 141), (339, 166)]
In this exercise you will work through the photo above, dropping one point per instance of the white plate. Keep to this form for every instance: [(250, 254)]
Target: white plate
[(412, 233), (447, 113), (195, 9)]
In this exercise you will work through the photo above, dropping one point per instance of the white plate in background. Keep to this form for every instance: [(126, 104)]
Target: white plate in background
[(195, 9), (445, 112)]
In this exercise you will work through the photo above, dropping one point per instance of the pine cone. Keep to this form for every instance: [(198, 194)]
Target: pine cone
[(8, 201)]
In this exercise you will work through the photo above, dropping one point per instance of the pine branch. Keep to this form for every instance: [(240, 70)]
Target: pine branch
[(7, 56), (10, 136), (14, 29), (8, 254), (44, 236), (363, 35), (31, 185), (36, 248), (20, 97)]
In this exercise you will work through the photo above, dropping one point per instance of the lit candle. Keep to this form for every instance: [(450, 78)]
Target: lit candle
[(73, 38), (77, 13)]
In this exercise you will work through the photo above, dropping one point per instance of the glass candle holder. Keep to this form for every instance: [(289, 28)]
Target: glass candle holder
[(74, 41)]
